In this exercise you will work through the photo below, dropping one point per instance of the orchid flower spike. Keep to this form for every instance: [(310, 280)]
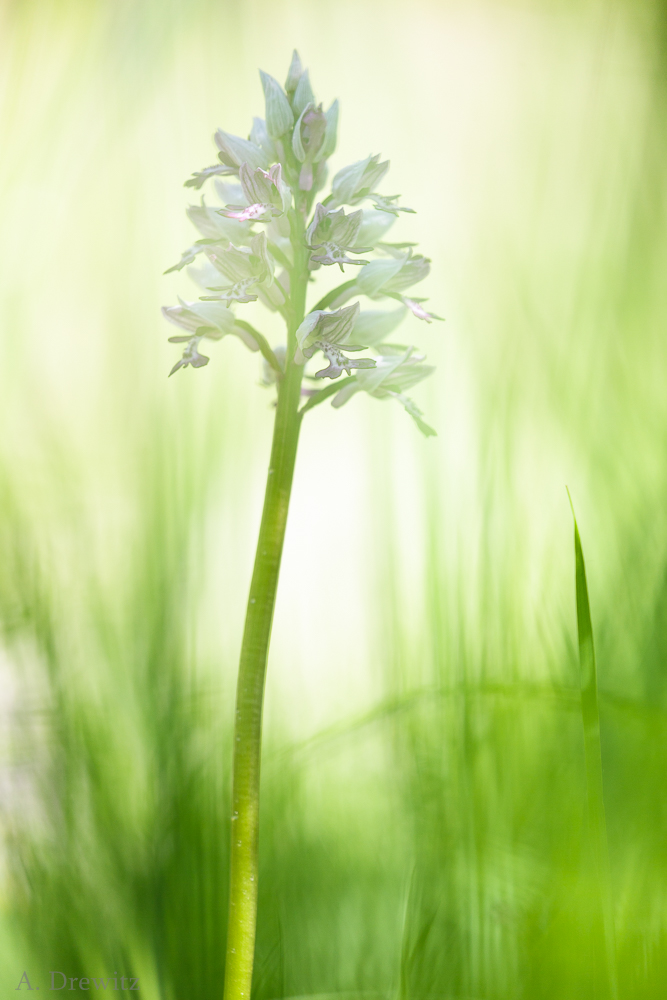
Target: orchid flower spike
[(262, 244), (269, 234)]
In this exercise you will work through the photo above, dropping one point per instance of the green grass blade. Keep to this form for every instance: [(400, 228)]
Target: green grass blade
[(590, 713)]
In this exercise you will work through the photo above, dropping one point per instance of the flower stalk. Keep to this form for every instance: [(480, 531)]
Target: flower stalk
[(280, 168)]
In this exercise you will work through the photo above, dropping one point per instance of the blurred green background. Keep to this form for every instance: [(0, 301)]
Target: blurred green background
[(424, 796)]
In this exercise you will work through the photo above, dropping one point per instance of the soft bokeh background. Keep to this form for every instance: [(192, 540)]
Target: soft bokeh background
[(424, 811)]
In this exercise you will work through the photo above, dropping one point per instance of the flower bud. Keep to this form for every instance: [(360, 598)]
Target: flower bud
[(234, 151), (294, 74), (309, 133), (307, 142), (279, 116), (303, 95)]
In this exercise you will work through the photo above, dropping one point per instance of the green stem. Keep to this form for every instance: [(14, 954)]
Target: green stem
[(254, 653)]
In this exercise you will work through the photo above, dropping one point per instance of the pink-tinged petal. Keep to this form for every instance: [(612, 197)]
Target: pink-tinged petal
[(253, 213), (418, 310)]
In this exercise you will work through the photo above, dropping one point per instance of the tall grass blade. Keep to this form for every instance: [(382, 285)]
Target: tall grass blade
[(590, 713)]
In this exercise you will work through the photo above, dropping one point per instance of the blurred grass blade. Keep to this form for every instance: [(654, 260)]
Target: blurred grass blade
[(590, 713)]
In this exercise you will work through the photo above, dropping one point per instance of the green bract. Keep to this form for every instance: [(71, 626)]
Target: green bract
[(268, 184), (390, 377)]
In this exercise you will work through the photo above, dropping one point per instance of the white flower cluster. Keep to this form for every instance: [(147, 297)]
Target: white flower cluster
[(275, 175)]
